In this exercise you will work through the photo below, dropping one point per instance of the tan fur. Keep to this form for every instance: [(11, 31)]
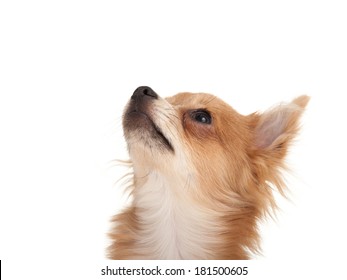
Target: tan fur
[(232, 165)]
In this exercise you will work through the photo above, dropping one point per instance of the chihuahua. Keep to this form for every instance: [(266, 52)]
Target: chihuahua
[(203, 176)]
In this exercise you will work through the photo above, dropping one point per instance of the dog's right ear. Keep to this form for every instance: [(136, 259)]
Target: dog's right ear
[(273, 132), (276, 128)]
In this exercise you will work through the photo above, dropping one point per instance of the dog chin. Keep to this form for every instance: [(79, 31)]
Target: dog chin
[(140, 129)]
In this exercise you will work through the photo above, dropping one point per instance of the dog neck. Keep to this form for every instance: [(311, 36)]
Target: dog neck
[(171, 225)]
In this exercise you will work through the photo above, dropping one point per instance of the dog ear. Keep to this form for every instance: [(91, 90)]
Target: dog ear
[(276, 128)]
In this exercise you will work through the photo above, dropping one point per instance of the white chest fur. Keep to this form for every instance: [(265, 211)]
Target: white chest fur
[(172, 226)]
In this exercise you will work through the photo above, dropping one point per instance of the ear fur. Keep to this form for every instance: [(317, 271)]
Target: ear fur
[(277, 127), (274, 131)]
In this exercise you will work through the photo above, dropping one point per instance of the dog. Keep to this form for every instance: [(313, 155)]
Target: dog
[(203, 176)]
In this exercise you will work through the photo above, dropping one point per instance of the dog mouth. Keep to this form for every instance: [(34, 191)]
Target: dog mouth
[(141, 121)]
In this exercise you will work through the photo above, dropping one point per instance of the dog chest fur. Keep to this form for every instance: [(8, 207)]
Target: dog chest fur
[(170, 227)]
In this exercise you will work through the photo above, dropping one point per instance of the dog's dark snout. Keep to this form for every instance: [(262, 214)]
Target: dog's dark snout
[(144, 91)]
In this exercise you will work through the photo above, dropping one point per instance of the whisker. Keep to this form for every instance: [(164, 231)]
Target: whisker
[(212, 98)]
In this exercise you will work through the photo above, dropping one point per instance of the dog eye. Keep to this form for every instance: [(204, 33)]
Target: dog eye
[(201, 116)]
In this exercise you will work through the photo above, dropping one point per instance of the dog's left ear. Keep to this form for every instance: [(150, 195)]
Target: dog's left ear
[(276, 128)]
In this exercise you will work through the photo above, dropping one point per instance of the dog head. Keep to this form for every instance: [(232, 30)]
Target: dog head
[(215, 154)]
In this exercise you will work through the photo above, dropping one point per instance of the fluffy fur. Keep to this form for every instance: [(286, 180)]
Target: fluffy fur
[(202, 176)]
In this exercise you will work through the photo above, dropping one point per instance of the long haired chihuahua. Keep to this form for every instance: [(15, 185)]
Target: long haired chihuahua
[(203, 176)]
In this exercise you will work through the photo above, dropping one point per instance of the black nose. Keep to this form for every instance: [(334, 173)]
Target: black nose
[(144, 91)]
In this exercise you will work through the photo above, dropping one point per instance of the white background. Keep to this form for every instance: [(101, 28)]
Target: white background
[(67, 69)]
